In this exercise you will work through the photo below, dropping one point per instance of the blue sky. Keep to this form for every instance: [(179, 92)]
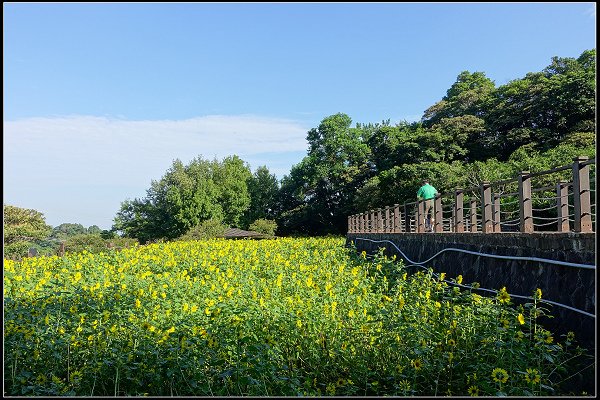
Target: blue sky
[(100, 98)]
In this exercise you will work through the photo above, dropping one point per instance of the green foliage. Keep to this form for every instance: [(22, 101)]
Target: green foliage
[(90, 243), (185, 196), (476, 132), (94, 230), (207, 229), (266, 226), (263, 188), (23, 227), (274, 318), (17, 250), (94, 243), (65, 230)]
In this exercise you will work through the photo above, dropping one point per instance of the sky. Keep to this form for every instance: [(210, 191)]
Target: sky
[(101, 98)]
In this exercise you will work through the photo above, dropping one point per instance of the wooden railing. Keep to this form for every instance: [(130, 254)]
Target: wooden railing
[(511, 205)]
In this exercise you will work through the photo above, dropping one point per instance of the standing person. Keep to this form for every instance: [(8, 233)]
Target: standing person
[(427, 193)]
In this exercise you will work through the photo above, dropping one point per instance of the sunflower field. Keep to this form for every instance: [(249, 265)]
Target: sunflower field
[(277, 317)]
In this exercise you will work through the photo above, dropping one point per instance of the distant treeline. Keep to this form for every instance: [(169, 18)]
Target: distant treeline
[(476, 132)]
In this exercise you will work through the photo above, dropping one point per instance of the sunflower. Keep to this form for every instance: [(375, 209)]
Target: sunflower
[(500, 375), (417, 364), (532, 375), (521, 319), (503, 296), (473, 391), (404, 385)]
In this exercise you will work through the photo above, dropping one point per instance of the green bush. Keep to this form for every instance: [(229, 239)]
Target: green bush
[(16, 250), (94, 243), (266, 226), (210, 228), (91, 243)]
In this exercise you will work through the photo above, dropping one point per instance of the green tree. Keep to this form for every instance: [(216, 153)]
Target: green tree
[(469, 95), (207, 229), (263, 189), (94, 230), (65, 230), (231, 178), (262, 225), (91, 243), (543, 107), (184, 197), (323, 184), (23, 227)]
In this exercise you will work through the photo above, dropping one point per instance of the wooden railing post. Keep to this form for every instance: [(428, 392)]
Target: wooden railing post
[(350, 224), (525, 204), (373, 222), (438, 214), (379, 221), (364, 221), (397, 219), (420, 216), (581, 195), (388, 222), (496, 212), (473, 218), (459, 223), (562, 206), (406, 219), (486, 207)]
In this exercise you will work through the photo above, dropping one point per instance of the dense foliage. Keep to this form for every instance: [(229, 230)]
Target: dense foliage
[(476, 131), (268, 318), (23, 229)]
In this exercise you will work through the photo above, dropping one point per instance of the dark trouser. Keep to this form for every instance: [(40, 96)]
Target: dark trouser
[(429, 214)]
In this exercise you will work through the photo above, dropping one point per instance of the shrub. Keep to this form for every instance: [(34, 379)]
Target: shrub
[(91, 243), (210, 228), (266, 226)]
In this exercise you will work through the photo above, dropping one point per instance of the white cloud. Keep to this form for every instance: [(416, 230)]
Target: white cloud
[(74, 160), (591, 11)]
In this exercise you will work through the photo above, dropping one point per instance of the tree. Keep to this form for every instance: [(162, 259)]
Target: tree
[(323, 184), (544, 107), (462, 138), (186, 196), (231, 177), (263, 188), (94, 230), (207, 229), (469, 95), (23, 227), (65, 230), (266, 226)]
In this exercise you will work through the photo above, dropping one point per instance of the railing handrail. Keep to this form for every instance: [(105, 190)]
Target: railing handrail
[(392, 219)]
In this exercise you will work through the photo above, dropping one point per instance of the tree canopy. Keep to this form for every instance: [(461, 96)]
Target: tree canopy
[(23, 228), (476, 131)]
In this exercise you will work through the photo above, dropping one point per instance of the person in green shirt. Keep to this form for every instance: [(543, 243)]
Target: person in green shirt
[(427, 193)]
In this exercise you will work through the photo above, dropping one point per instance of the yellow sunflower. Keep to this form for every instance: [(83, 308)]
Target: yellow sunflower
[(500, 375)]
